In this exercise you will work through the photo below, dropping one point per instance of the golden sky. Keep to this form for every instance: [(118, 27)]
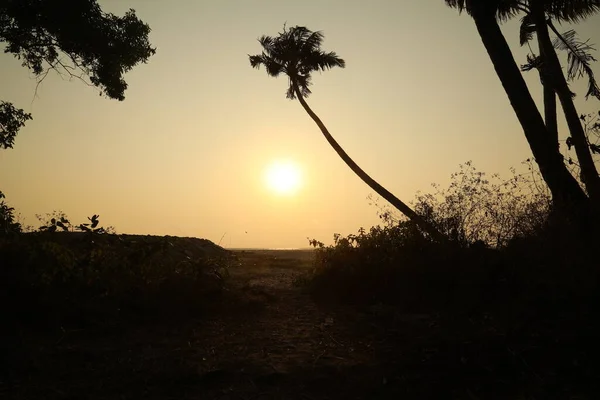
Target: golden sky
[(185, 154)]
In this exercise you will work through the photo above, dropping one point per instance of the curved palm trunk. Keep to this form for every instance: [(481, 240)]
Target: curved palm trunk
[(380, 190), (567, 194), (558, 81)]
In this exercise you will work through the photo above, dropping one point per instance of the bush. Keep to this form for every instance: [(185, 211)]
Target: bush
[(82, 277), (8, 223), (501, 255), (491, 211), (395, 265)]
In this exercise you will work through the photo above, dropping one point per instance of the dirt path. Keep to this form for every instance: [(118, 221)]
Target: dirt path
[(269, 340), (281, 343)]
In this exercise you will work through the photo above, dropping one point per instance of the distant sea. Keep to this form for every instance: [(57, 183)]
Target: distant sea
[(268, 248)]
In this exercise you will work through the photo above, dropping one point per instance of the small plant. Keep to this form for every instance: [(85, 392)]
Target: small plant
[(51, 222), (56, 220), (92, 227), (591, 125), (8, 223), (54, 224)]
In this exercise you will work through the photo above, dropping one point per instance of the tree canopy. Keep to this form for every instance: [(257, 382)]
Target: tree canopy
[(297, 53), (76, 38), (11, 120)]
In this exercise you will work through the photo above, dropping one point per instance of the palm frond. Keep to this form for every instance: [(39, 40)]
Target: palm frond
[(579, 58), (290, 94), (266, 42), (526, 29), (273, 67), (572, 11), (321, 61), (460, 5), (503, 10), (313, 42), (296, 52), (508, 9), (533, 62), (256, 61), (304, 81)]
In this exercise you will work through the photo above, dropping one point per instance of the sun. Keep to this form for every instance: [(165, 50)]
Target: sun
[(283, 177)]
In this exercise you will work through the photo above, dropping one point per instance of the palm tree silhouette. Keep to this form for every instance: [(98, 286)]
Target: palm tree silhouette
[(538, 19), (568, 196), (297, 52)]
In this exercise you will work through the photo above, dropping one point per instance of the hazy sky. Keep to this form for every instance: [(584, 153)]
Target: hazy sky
[(185, 154)]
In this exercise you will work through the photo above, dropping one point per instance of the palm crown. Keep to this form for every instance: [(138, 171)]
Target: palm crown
[(297, 53), (561, 10), (570, 11)]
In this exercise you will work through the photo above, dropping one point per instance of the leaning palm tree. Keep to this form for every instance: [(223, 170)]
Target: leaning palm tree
[(538, 19), (297, 52), (569, 198)]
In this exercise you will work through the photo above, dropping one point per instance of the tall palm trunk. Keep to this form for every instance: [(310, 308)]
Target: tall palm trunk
[(559, 83), (550, 117), (567, 194), (380, 190)]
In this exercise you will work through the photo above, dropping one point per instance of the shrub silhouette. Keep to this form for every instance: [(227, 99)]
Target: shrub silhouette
[(8, 223), (57, 220), (503, 253), (58, 276)]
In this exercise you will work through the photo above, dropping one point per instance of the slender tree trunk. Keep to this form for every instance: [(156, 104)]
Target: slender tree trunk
[(559, 83), (550, 116), (380, 190), (566, 192)]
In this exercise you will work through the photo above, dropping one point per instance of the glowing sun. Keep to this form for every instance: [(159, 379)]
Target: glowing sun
[(283, 177)]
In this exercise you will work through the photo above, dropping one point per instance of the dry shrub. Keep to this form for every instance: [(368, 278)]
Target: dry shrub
[(501, 254), (491, 211)]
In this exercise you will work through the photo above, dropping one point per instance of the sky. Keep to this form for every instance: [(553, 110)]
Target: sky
[(187, 152)]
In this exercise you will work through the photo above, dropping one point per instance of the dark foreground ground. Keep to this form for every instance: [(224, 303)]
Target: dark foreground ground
[(267, 339)]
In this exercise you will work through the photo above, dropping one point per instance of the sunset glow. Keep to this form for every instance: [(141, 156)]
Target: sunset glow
[(283, 177)]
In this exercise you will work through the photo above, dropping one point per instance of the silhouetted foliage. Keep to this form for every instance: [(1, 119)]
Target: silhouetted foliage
[(77, 39), (8, 224), (579, 57), (61, 277), (73, 38), (569, 197), (297, 53), (475, 208), (57, 221), (502, 246), (591, 124), (489, 210), (11, 120), (100, 45), (538, 20)]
